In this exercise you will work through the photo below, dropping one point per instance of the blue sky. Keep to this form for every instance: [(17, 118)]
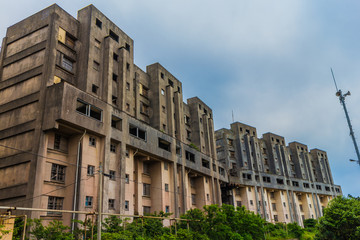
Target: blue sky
[(267, 61)]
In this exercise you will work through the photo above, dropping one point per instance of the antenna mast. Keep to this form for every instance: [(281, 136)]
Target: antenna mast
[(342, 101)]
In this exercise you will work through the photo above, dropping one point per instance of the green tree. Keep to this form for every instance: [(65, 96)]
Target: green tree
[(341, 219), (55, 230)]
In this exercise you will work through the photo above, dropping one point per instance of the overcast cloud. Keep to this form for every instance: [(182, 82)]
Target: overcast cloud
[(267, 61)]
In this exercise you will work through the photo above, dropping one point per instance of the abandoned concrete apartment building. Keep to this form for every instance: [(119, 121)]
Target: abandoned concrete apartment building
[(73, 103)]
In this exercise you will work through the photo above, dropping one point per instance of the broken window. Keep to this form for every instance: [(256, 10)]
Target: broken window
[(163, 144), (113, 35), (111, 203), (88, 201), (144, 109), (144, 91), (57, 173), (55, 203), (116, 122), (67, 63), (190, 156), (205, 163), (89, 110), (137, 132)]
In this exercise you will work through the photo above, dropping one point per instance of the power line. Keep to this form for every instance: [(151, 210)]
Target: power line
[(38, 155), (61, 187)]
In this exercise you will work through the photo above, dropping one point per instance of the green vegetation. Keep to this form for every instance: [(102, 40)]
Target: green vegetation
[(341, 220)]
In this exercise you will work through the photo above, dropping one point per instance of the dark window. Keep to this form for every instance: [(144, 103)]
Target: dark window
[(276, 219), (55, 203), (280, 181), (114, 77), (114, 100), (114, 36), (127, 179), (127, 66), (88, 110), (214, 167), (267, 179), (112, 175), (112, 148), (90, 170), (111, 203), (163, 144), (167, 209), (126, 205), (171, 83), (88, 201), (57, 141), (94, 88), (127, 47), (57, 173), (92, 141), (115, 57), (295, 184), (166, 187), (116, 122), (146, 189), (190, 156), (162, 75), (137, 132), (98, 23), (205, 163), (306, 185)]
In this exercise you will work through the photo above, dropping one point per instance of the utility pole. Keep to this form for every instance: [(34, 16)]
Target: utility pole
[(100, 201), (342, 101)]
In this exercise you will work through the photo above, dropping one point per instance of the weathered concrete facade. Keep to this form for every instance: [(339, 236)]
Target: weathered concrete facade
[(72, 100), (282, 183)]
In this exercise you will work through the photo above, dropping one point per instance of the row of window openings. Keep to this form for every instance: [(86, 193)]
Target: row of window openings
[(56, 203), (112, 34)]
